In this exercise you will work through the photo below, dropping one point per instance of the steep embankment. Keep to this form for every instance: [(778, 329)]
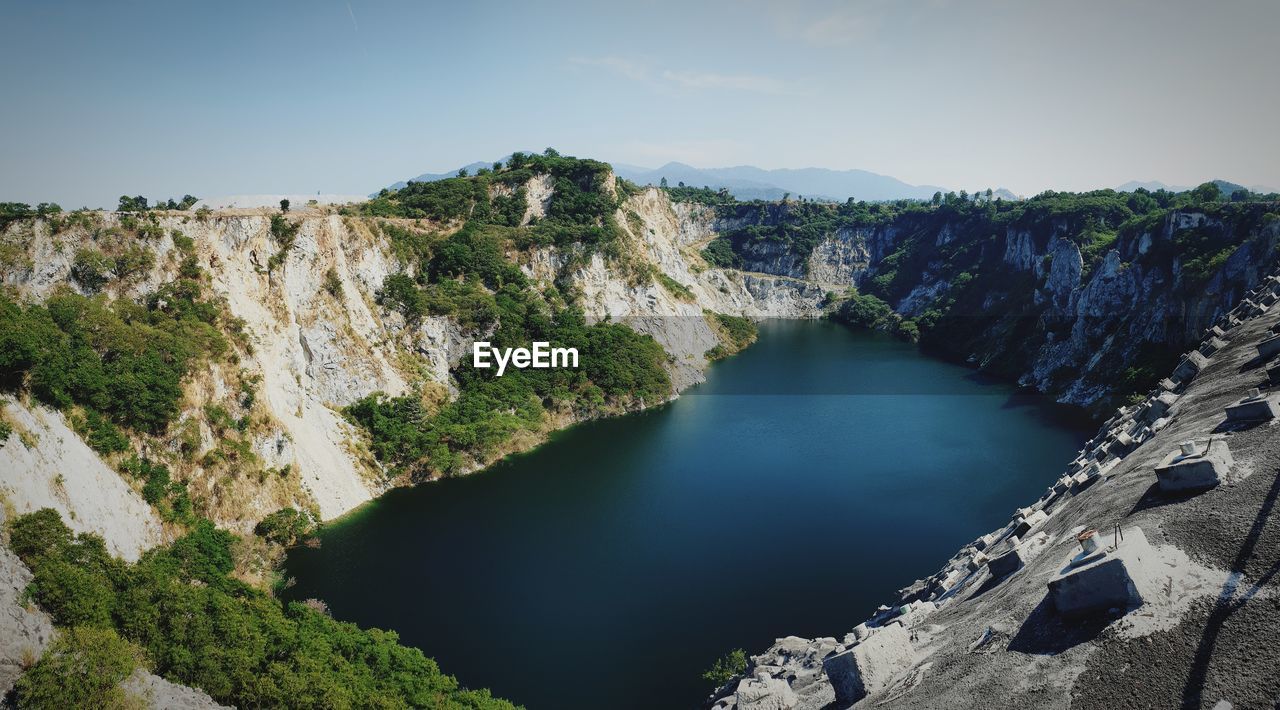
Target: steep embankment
[(987, 630)]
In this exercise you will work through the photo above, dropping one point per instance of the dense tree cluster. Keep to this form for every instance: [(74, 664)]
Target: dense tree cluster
[(122, 359), (180, 610)]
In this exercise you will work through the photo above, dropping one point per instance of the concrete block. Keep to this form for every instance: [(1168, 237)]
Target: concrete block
[(1006, 563), (1211, 346), (1120, 446), (1029, 521), (1161, 405), (1273, 374), (1116, 577), (977, 561), (1168, 384), (1189, 366), (1085, 478), (1192, 468), (1269, 347), (1217, 332), (765, 693), (870, 665), (1254, 406)]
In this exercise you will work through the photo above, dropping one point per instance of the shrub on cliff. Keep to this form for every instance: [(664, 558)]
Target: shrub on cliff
[(122, 359), (199, 626), (82, 668)]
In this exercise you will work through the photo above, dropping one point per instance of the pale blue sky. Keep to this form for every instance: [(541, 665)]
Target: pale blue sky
[(215, 98)]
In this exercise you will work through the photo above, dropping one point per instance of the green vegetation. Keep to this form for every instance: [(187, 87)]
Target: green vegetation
[(332, 283), (120, 359), (169, 497), (617, 366), (286, 526), (197, 625), (82, 668), (732, 664), (140, 204), (467, 274), (737, 330), (579, 214), (14, 211), (284, 233), (864, 310), (676, 288), (699, 195)]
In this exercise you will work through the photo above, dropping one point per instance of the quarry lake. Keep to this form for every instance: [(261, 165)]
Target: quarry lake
[(809, 478)]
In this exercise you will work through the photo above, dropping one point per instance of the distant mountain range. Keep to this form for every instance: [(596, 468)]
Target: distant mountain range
[(1225, 186), (747, 182)]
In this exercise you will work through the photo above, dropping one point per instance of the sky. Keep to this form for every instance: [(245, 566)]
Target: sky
[(346, 96)]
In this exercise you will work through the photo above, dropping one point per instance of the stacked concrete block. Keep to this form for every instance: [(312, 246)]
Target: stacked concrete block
[(1007, 562), (1189, 366), (1273, 374), (1269, 347), (1029, 521), (1193, 467), (1161, 405), (869, 665), (764, 692), (1211, 346), (1254, 406), (1099, 579)]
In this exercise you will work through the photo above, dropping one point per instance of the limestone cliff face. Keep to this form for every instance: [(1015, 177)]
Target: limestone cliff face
[(1039, 312), (313, 339)]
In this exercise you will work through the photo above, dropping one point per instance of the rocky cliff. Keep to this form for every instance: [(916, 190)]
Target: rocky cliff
[(1082, 297), (311, 338)]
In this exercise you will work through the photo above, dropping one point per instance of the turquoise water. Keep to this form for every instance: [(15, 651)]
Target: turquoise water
[(809, 478)]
